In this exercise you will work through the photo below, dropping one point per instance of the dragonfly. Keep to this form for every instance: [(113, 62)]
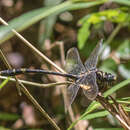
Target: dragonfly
[(86, 76), (90, 79)]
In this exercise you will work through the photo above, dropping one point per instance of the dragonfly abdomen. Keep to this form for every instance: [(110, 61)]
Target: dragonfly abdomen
[(13, 72)]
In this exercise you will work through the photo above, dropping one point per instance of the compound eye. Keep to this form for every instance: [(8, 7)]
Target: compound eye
[(111, 77)]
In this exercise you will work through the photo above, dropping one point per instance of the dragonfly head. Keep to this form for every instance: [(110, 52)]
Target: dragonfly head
[(110, 77)]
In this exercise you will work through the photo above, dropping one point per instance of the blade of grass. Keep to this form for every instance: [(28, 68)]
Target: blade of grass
[(4, 82), (37, 84), (32, 47), (95, 104), (9, 66), (30, 97), (96, 115), (99, 114), (124, 2), (8, 116), (116, 87), (3, 128), (46, 25), (34, 16)]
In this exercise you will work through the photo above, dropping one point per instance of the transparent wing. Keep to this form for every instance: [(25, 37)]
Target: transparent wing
[(73, 62), (90, 82), (91, 62), (72, 93)]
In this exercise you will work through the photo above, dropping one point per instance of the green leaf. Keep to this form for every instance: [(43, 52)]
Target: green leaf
[(31, 18), (3, 128), (108, 65), (123, 50), (4, 83), (124, 71), (124, 2), (90, 108), (125, 100), (114, 15), (48, 23), (26, 20), (96, 115), (22, 22), (95, 104), (127, 109), (83, 34), (116, 87), (8, 116)]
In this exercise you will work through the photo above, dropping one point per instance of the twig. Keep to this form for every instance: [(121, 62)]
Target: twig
[(111, 108), (9, 66), (37, 84), (123, 115), (64, 92), (32, 47), (35, 103)]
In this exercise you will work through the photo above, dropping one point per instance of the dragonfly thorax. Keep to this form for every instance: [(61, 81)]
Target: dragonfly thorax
[(86, 87), (104, 79)]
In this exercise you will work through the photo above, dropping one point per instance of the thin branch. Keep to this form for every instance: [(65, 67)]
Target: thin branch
[(9, 66), (37, 84), (30, 97), (63, 89), (32, 47), (36, 104), (113, 110)]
